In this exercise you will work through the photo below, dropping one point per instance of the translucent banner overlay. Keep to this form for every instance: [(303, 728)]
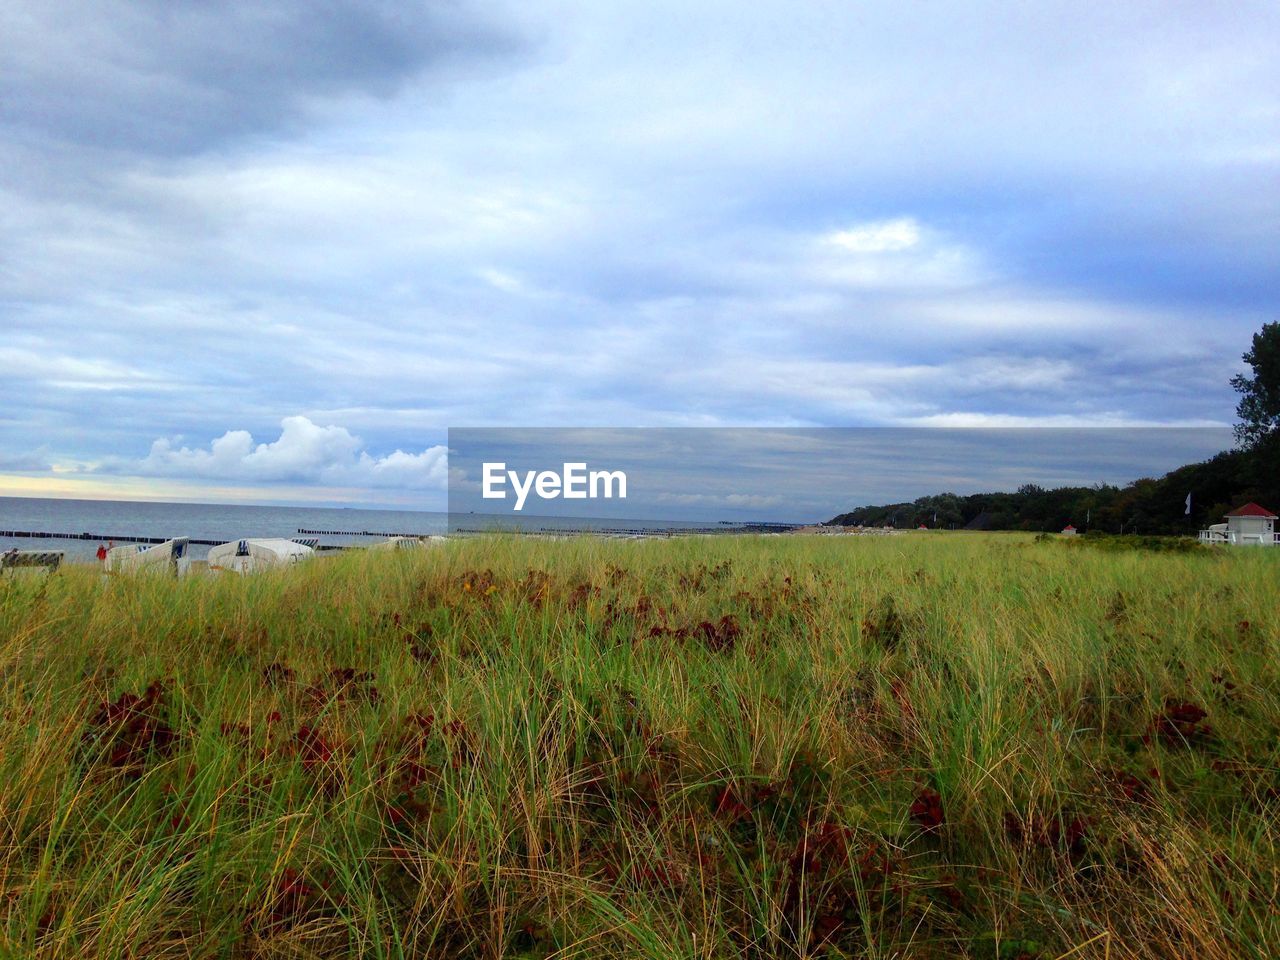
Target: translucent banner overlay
[(722, 478)]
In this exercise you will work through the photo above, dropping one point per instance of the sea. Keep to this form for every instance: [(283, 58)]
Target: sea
[(124, 521)]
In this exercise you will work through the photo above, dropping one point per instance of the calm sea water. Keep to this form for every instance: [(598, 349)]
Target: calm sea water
[(122, 520)]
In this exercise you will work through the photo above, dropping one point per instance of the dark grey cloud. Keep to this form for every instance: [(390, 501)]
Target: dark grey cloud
[(163, 78), (33, 461)]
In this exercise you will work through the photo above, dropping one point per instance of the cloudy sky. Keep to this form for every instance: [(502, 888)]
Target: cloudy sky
[(791, 474), (270, 251)]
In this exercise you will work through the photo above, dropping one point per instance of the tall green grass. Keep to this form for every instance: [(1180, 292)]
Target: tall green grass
[(914, 746)]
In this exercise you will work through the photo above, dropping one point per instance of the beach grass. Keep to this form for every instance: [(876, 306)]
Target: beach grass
[(926, 745)]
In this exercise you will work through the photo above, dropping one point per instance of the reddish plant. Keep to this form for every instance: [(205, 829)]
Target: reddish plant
[(665, 874), (883, 625), (693, 579), (735, 805), (720, 637), (341, 685), (132, 729), (535, 587), (417, 642), (1181, 724), (829, 873), (610, 617), (949, 887), (1062, 832), (1234, 768), (582, 592), (643, 791), (529, 936), (236, 731), (422, 724), (413, 774), (1224, 688), (278, 673), (289, 901), (899, 691), (1130, 787), (409, 775), (822, 849), (406, 809), (926, 809), (461, 743), (728, 806), (313, 749), (477, 583)]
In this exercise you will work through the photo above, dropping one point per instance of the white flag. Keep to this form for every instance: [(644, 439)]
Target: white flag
[(1188, 513)]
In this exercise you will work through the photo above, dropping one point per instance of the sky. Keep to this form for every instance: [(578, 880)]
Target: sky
[(787, 474), (271, 251)]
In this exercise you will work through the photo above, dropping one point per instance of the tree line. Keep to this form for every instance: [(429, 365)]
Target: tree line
[(1250, 472)]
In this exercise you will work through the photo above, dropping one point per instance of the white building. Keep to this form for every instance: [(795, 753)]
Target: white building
[(168, 557), (249, 556), (1250, 525)]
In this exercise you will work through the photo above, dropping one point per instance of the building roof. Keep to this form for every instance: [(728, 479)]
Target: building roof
[(1252, 510)]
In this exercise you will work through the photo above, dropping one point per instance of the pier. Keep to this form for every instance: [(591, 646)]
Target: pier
[(108, 537), (104, 537)]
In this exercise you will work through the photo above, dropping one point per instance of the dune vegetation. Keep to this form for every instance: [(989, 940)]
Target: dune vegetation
[(926, 745)]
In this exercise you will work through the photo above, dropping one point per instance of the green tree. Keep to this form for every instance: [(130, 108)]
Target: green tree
[(1259, 407)]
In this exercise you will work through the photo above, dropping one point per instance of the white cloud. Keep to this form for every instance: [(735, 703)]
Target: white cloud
[(77, 373), (430, 468), (896, 255), (884, 236), (305, 452)]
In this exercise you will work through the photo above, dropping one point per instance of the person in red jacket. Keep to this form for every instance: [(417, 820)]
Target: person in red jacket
[(102, 553)]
